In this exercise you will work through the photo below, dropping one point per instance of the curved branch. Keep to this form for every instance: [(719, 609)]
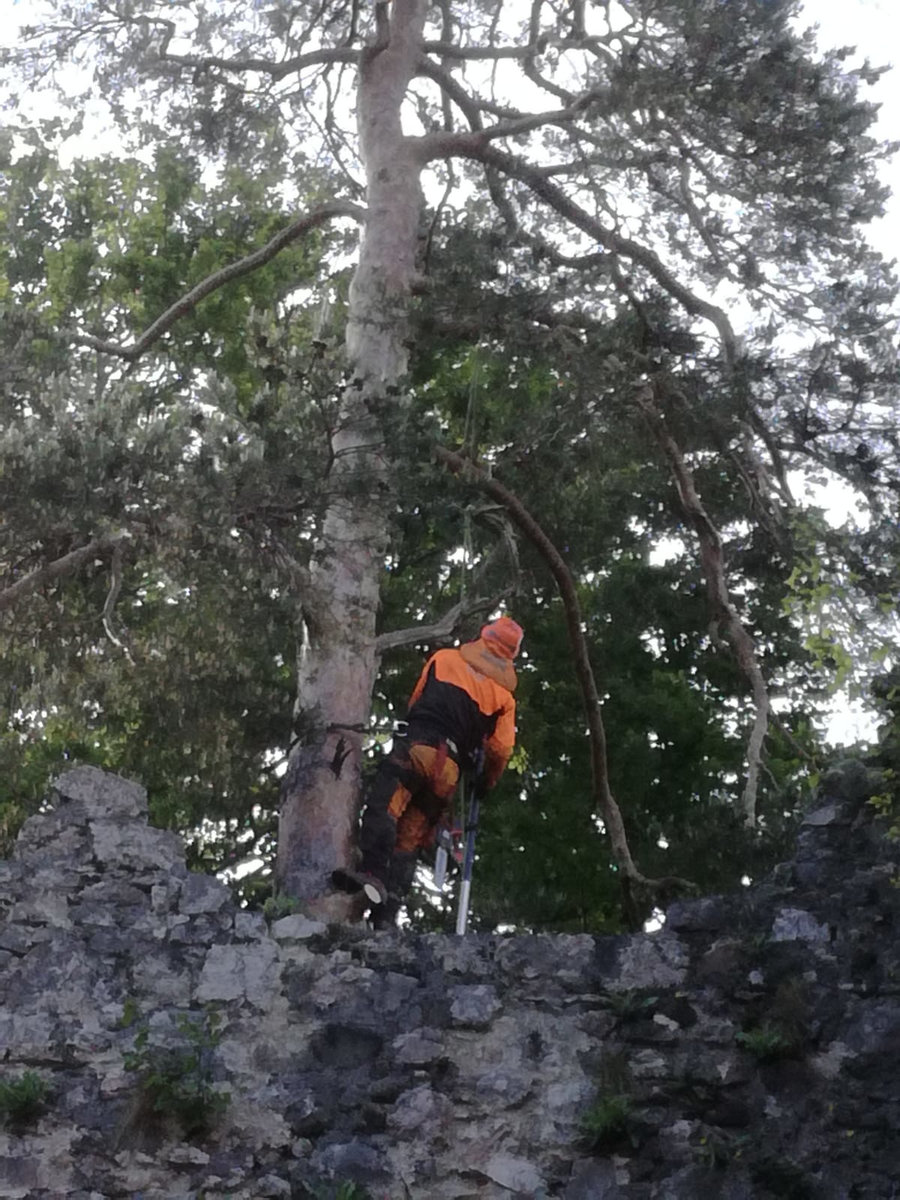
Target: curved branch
[(612, 815), (67, 565), (244, 266), (115, 587), (722, 606), (475, 146), (263, 66), (446, 627), (451, 90)]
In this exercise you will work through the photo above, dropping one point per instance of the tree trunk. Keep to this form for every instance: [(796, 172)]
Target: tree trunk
[(337, 660)]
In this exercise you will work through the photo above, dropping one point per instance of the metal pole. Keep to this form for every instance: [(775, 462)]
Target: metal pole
[(465, 888)]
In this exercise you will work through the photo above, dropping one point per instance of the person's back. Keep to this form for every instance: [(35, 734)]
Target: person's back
[(466, 695)]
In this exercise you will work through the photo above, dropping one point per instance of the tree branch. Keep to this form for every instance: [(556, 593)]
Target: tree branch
[(446, 627), (264, 66), (244, 266), (612, 815), (476, 53), (474, 145), (510, 126), (722, 606), (67, 565), (451, 90)]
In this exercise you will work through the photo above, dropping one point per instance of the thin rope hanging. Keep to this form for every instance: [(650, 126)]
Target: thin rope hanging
[(468, 439), (469, 444)]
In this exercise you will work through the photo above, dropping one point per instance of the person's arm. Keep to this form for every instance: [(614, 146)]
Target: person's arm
[(423, 679), (499, 746)]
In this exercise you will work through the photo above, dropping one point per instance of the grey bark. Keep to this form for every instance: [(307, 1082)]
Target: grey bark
[(337, 659)]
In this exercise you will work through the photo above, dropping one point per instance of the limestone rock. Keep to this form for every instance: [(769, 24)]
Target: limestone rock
[(443, 1068), (243, 973)]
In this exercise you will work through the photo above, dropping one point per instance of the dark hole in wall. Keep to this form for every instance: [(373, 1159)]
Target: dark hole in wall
[(346, 1046)]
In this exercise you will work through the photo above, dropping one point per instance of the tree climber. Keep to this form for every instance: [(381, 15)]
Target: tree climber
[(461, 713)]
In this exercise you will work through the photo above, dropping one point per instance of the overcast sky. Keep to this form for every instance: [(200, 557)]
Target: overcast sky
[(873, 26)]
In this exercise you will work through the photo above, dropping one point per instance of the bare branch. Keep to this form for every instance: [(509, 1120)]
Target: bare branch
[(474, 145), (510, 126), (60, 567), (115, 587), (722, 607), (244, 266), (446, 627), (694, 215), (451, 90), (475, 53), (263, 66)]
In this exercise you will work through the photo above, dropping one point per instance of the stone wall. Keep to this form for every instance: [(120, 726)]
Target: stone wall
[(748, 1050)]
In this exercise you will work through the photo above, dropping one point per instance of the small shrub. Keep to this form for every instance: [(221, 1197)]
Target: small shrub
[(177, 1081), (886, 806), (130, 1013), (606, 1120), (277, 907), (716, 1151), (22, 1100), (630, 1005), (712, 1153), (765, 1043)]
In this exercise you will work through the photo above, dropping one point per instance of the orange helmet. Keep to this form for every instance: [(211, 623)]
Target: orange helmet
[(503, 636)]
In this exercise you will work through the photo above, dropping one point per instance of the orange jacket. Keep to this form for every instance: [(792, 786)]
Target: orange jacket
[(466, 694)]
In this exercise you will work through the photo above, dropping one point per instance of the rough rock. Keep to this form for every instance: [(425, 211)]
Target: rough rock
[(749, 1048)]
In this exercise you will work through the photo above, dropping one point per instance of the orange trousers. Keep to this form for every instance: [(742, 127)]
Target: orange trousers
[(411, 792)]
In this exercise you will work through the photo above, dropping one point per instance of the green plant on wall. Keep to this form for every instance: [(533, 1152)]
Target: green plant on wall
[(630, 1005), (887, 805), (22, 1100), (280, 906), (130, 1013), (607, 1119), (715, 1150), (177, 1081), (765, 1043), (783, 1027)]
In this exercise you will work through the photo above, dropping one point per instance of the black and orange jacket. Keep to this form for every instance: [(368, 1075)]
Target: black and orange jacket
[(467, 695)]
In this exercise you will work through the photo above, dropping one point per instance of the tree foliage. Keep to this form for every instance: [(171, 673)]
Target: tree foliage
[(603, 186)]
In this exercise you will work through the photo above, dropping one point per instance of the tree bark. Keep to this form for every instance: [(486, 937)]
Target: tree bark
[(337, 658), (60, 567)]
